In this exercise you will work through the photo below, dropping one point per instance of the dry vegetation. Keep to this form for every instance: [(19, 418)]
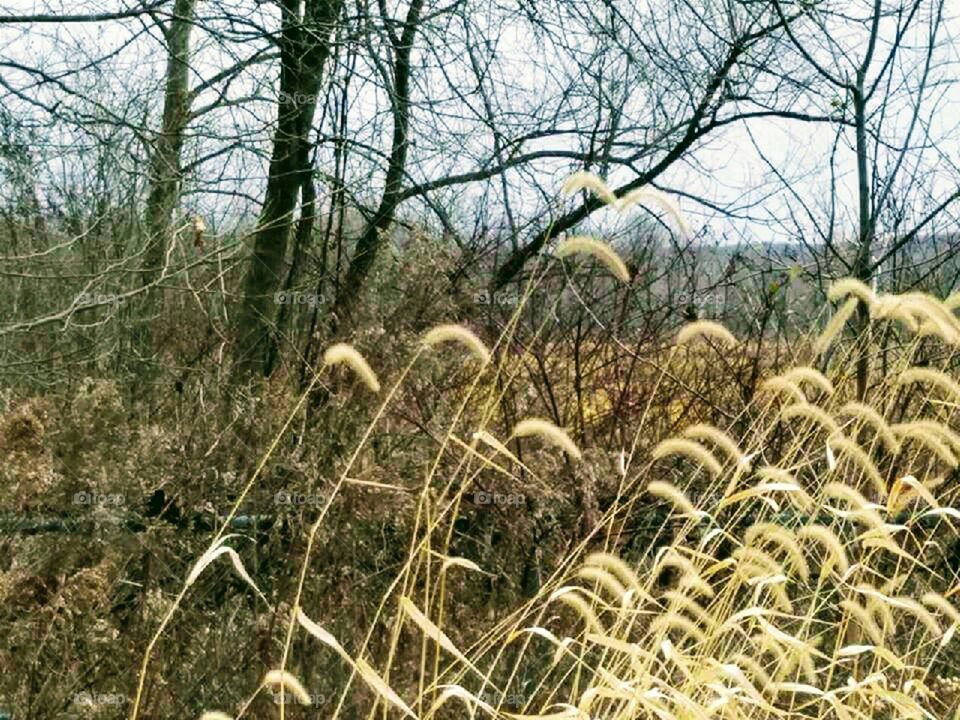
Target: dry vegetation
[(737, 536), (804, 567), (323, 395)]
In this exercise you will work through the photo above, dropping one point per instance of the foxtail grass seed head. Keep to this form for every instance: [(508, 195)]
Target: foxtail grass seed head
[(830, 542), (813, 413), (867, 414), (934, 328), (760, 676), (546, 430), (780, 480), (284, 681), (672, 494), (939, 603), (458, 334), (769, 585), (929, 307), (775, 474), (627, 575), (922, 314), (934, 428), (571, 597), (766, 533), (923, 435), (215, 715), (851, 496), (690, 449), (449, 562), (864, 619), (583, 180), (851, 286), (836, 324), (848, 447), (683, 602), (919, 612), (602, 578), (653, 196), (931, 376), (941, 328), (342, 353), (490, 441), (810, 376), (719, 438), (690, 576), (708, 330), (781, 386), (892, 307), (675, 622), (600, 251)]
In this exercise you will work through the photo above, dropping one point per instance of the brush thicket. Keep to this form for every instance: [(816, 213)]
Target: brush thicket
[(781, 564)]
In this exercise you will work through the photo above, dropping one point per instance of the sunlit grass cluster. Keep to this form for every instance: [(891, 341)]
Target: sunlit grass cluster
[(799, 565)]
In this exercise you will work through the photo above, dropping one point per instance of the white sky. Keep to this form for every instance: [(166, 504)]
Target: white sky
[(728, 169)]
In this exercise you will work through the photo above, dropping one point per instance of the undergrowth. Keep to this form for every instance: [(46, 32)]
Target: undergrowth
[(703, 546), (799, 563)]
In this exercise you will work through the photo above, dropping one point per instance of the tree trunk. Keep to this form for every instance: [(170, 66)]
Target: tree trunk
[(302, 235), (304, 47), (165, 160), (862, 268), (372, 238)]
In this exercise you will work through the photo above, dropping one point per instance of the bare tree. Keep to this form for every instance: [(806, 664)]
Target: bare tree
[(304, 47), (165, 160), (372, 238), (878, 65)]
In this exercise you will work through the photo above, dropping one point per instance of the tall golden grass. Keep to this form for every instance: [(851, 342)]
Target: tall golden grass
[(795, 569)]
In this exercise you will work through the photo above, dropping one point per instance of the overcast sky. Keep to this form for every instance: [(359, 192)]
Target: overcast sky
[(731, 169)]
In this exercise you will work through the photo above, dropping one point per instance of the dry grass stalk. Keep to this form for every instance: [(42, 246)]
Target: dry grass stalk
[(706, 329), (458, 334), (581, 245), (341, 353)]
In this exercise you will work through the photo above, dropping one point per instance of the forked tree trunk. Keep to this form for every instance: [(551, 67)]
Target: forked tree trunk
[(304, 48), (372, 239)]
